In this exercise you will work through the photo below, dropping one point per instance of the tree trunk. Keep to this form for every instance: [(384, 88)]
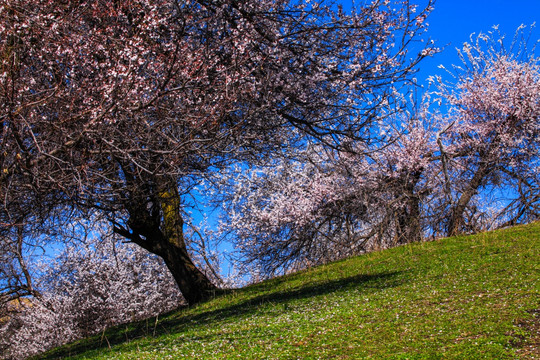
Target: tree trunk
[(160, 231), (408, 227), (194, 285), (457, 221)]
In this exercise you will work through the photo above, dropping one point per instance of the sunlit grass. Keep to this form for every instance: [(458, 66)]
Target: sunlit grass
[(460, 298)]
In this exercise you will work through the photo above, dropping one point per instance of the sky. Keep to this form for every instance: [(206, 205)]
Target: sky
[(453, 21)]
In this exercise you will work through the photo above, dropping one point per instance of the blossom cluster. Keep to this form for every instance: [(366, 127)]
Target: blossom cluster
[(86, 290)]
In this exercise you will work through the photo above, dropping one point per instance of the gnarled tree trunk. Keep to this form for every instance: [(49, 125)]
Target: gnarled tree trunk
[(159, 229), (408, 227), (408, 222), (457, 221)]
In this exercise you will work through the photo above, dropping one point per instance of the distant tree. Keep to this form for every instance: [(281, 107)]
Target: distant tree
[(85, 290), (324, 205), (494, 141), (473, 166), (123, 107)]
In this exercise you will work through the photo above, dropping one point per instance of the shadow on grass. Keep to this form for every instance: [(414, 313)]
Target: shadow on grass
[(176, 323)]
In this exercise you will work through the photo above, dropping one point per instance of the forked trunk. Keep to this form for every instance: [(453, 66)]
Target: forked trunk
[(193, 284), (160, 231), (457, 221)]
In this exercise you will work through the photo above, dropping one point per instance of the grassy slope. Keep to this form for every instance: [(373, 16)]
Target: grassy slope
[(459, 298)]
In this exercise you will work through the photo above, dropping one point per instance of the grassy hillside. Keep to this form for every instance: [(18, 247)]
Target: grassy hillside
[(474, 297)]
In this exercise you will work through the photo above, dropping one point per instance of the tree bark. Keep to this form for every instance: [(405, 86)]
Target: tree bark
[(456, 222), (408, 227), (160, 231), (194, 285)]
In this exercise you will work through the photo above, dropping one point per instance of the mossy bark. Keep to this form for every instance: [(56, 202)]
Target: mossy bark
[(159, 229), (195, 286)]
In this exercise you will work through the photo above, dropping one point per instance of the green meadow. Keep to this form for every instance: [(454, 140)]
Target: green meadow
[(470, 297)]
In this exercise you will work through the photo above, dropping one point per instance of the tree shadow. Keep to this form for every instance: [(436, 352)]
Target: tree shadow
[(175, 323)]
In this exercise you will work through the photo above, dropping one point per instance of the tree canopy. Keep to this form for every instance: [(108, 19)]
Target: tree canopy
[(120, 108)]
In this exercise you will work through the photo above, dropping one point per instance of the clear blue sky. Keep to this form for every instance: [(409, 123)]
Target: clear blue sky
[(452, 22)]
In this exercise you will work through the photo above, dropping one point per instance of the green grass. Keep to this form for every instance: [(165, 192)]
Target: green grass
[(474, 297)]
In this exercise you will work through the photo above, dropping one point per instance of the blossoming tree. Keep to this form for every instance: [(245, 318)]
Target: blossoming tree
[(323, 205), (495, 104), (123, 107), (86, 289), (436, 174)]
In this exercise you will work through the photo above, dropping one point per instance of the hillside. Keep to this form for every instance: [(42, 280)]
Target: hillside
[(474, 297)]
